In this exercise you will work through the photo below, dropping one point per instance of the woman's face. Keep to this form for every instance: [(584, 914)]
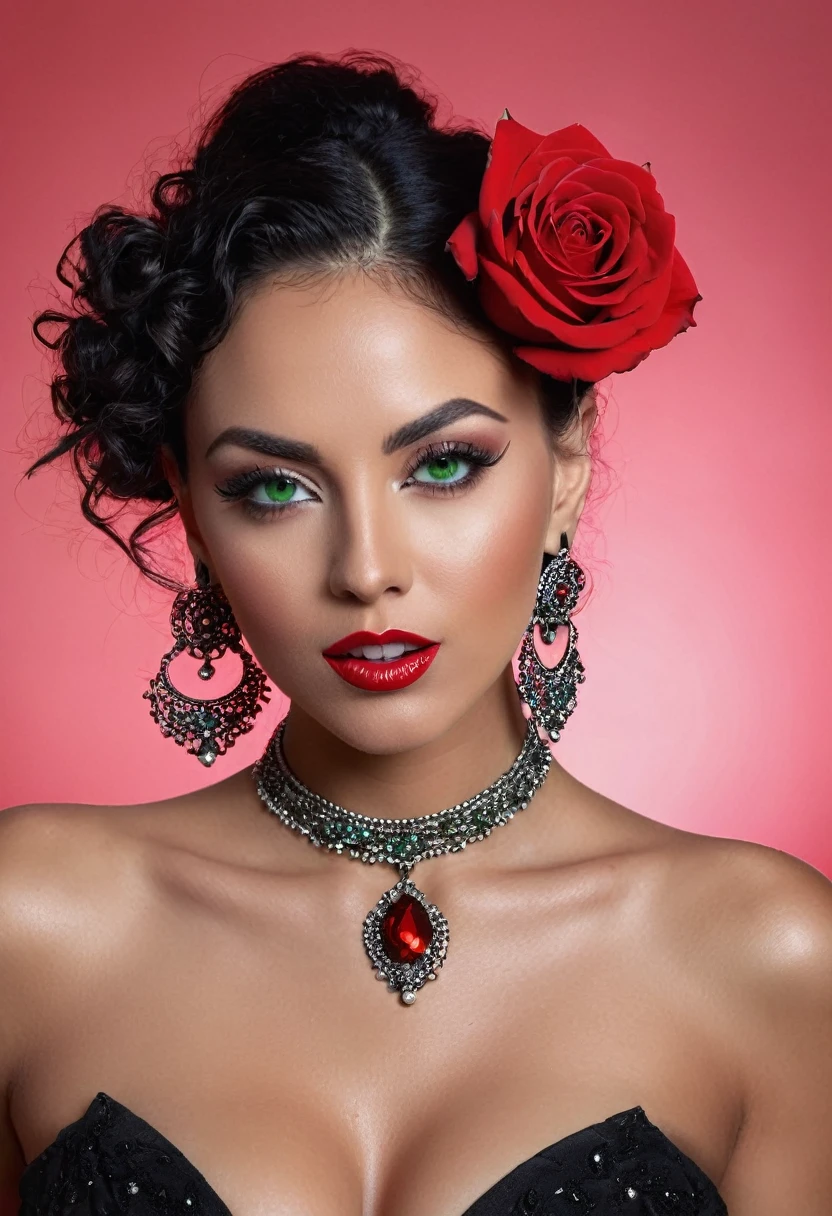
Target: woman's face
[(356, 463)]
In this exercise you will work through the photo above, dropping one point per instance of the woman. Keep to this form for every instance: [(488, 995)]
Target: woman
[(356, 353)]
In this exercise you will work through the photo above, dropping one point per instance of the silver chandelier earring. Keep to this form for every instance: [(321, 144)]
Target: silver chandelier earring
[(202, 622), (551, 692)]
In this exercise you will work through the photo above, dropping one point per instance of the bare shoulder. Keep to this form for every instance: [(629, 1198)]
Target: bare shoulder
[(766, 923), (69, 890), (761, 912), (66, 880), (53, 846), (780, 908), (773, 911), (761, 916), (756, 922), (752, 921), (74, 872), (73, 842), (47, 861), (752, 926)]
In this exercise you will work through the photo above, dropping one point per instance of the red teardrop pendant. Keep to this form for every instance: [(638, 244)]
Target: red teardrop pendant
[(406, 931)]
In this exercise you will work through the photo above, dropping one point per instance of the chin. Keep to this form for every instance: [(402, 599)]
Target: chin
[(383, 724), (387, 727), (453, 689)]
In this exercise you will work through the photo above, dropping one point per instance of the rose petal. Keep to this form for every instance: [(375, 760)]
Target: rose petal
[(660, 230), (590, 365), (560, 297), (612, 228), (522, 198), (619, 253), (553, 291), (657, 268), (645, 258), (493, 238), (507, 302), (580, 235), (533, 168), (593, 178), (496, 282), (566, 294), (683, 290), (644, 182), (644, 305), (510, 145), (606, 208), (462, 244), (609, 289), (575, 253), (563, 156), (594, 365), (574, 139)]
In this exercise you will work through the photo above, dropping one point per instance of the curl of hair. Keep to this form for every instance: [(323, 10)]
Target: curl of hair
[(315, 164)]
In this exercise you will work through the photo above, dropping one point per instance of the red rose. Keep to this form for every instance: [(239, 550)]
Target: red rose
[(575, 253)]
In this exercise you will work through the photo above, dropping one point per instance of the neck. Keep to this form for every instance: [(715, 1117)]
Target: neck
[(415, 781)]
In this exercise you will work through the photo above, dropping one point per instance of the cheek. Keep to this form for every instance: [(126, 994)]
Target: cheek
[(474, 560), (271, 582), (487, 563)]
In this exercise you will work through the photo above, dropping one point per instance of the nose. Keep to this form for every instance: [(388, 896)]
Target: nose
[(371, 555)]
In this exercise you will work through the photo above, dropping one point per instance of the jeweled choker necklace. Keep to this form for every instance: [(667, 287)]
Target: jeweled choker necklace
[(405, 935)]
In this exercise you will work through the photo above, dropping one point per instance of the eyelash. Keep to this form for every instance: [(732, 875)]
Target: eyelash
[(235, 488)]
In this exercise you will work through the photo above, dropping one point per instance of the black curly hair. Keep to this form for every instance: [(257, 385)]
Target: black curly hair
[(311, 165)]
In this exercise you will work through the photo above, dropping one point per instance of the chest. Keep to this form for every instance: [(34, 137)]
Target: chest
[(255, 1039)]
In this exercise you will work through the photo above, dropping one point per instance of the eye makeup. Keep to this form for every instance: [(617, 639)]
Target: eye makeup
[(451, 466), (442, 461), (285, 490)]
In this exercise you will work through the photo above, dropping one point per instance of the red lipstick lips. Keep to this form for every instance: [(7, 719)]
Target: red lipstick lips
[(378, 674)]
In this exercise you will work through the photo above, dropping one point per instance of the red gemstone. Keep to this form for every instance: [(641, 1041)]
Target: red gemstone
[(561, 591), (406, 931)]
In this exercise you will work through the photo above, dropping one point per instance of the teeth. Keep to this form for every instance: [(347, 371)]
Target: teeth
[(390, 650)]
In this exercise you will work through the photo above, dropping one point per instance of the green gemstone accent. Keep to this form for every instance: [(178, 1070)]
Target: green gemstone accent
[(405, 846), (383, 841)]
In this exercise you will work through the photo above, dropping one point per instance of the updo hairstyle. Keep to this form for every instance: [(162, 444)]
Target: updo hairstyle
[(312, 165)]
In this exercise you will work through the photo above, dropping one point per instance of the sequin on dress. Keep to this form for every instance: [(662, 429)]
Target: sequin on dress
[(110, 1161)]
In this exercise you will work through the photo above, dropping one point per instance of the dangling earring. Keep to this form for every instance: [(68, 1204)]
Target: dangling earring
[(202, 621), (550, 692)]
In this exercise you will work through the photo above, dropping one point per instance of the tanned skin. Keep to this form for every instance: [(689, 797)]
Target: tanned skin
[(199, 962)]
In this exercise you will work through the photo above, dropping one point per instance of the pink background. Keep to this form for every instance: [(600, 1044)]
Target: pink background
[(706, 640)]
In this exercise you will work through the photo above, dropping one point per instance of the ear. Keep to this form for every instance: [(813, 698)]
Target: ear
[(183, 499), (572, 473)]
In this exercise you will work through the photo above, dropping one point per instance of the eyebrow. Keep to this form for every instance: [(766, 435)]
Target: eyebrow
[(280, 447)]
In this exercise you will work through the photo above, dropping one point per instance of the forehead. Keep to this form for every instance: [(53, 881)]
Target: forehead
[(344, 348)]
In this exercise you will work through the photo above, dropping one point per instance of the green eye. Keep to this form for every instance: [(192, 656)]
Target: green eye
[(263, 492), (440, 468), (279, 489)]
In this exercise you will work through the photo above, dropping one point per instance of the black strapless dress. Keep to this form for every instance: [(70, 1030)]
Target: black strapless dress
[(110, 1161)]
